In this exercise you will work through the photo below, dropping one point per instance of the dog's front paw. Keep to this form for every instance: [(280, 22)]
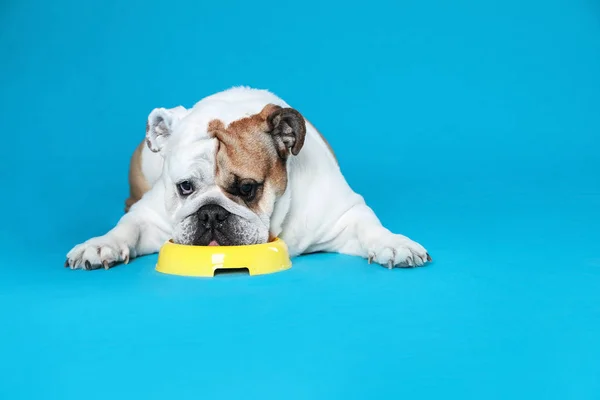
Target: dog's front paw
[(99, 252), (393, 250)]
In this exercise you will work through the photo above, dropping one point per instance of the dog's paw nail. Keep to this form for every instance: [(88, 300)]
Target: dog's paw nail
[(67, 263), (105, 263), (370, 259), (125, 256), (88, 265), (429, 257), (390, 264)]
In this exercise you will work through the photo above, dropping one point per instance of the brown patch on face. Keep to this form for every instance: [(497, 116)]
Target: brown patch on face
[(215, 126), (247, 156)]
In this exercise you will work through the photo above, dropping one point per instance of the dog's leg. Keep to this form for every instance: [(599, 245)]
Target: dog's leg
[(359, 232), (143, 230)]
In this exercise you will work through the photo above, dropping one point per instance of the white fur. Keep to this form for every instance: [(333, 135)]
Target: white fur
[(318, 211)]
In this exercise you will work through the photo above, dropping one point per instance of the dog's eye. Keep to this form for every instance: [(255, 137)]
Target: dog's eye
[(246, 189), (185, 188)]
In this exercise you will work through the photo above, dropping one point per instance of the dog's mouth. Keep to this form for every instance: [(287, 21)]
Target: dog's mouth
[(214, 237), (218, 240), (232, 232)]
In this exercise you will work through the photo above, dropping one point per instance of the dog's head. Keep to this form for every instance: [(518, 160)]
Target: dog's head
[(222, 179)]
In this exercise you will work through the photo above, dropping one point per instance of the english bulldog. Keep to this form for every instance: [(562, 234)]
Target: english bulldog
[(241, 167)]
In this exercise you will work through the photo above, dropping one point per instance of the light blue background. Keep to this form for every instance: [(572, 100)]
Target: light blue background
[(471, 126)]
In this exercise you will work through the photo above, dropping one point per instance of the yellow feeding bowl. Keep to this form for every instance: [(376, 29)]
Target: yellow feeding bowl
[(204, 261)]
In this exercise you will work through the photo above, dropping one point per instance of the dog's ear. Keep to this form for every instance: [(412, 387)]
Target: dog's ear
[(287, 128), (160, 125)]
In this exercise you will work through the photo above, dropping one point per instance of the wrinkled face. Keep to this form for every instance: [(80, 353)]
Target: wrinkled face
[(223, 180)]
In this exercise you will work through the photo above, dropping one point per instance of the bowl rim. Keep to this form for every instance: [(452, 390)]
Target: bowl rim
[(276, 241)]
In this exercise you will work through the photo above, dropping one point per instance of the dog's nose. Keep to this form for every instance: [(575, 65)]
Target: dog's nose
[(211, 214)]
